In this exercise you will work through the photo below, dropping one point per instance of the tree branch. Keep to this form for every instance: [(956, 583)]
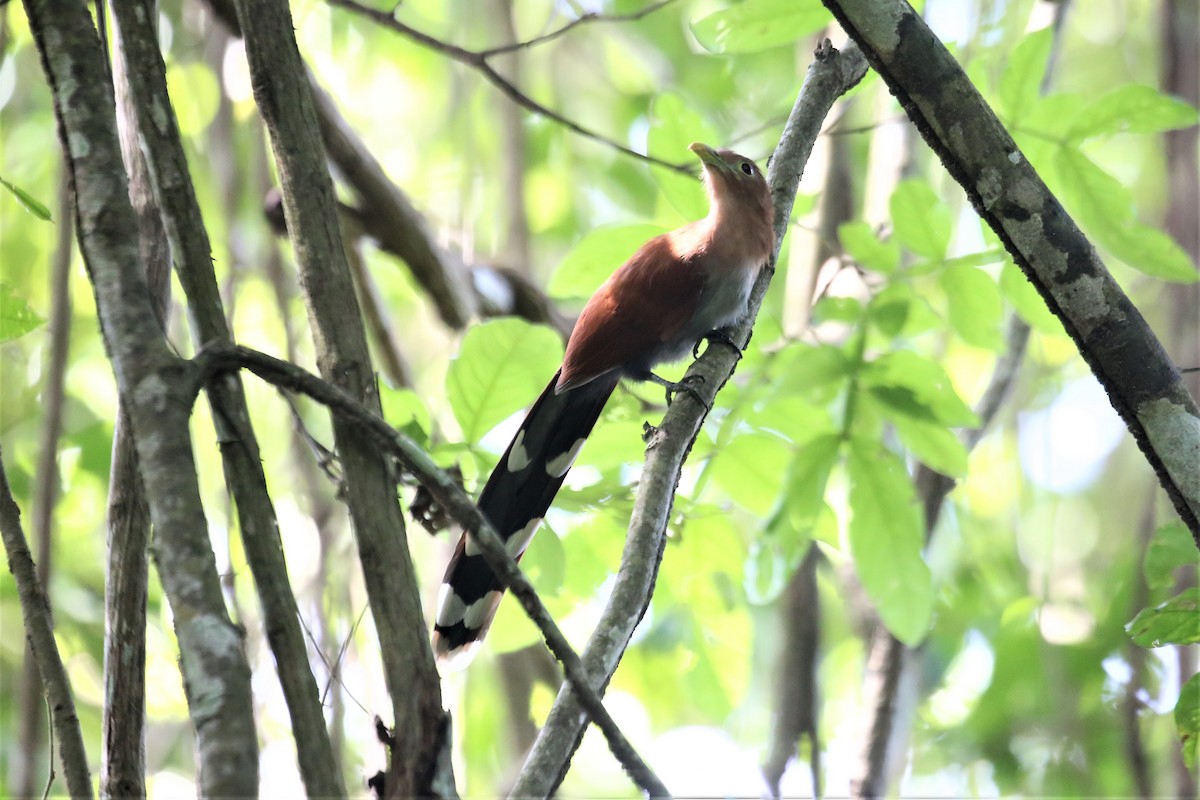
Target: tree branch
[(167, 167), (478, 60), (591, 16), (222, 357), (285, 99), (1142, 384), (830, 75), (35, 612), (215, 672)]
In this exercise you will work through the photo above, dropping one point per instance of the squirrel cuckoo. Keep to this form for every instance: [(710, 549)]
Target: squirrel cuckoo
[(678, 289)]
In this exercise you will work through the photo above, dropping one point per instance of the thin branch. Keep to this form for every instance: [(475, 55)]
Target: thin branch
[(477, 60), (35, 612), (831, 74), (589, 17), (220, 358)]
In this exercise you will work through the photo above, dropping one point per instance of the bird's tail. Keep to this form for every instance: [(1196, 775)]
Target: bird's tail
[(515, 499)]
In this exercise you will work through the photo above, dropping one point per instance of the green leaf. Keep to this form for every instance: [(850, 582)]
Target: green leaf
[(890, 308), (755, 25), (406, 412), (750, 470), (596, 256), (974, 304), (836, 309), (1106, 209), (501, 367), (1176, 621), (27, 201), (921, 219), (1017, 289), (865, 247), (1021, 82), (886, 538), (675, 125), (807, 475), (1172, 547), (16, 317), (1132, 108), (922, 388), (804, 367), (1187, 719), (931, 442)]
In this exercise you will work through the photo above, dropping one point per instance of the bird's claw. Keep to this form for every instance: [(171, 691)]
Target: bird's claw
[(716, 336), (685, 385)]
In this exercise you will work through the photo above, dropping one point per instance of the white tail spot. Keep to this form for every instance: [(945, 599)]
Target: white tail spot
[(558, 466), (481, 611), (516, 544), (518, 456), (451, 608)]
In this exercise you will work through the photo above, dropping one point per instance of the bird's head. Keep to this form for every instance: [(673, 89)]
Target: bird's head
[(737, 190)]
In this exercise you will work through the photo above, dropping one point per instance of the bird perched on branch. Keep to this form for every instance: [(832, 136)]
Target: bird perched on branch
[(678, 289)]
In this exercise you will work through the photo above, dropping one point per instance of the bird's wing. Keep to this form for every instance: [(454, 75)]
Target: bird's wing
[(643, 304)]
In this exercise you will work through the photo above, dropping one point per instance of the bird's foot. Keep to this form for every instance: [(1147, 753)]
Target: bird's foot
[(719, 336), (686, 385)]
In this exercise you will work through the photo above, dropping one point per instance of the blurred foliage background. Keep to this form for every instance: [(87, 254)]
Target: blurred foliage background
[(885, 321)]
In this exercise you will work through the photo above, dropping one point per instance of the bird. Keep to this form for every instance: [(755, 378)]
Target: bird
[(677, 290)]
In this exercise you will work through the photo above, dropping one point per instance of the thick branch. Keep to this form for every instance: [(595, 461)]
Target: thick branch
[(831, 75), (455, 502), (284, 97), (163, 148), (216, 674), (1142, 384)]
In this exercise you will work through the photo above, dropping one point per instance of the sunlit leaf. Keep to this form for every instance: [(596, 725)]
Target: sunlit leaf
[(1017, 289), (886, 538), (750, 470), (867, 249), (890, 308), (923, 388), (1132, 108), (1187, 720), (16, 317), (596, 256), (921, 219), (501, 368), (1106, 209), (754, 25), (807, 475), (932, 443), (1021, 81), (1172, 547), (1176, 621), (974, 304), (194, 95), (27, 201), (804, 367)]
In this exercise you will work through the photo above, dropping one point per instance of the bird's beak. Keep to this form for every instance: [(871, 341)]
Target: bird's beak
[(707, 155)]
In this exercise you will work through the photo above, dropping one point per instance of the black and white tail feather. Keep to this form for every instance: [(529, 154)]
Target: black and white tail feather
[(515, 499)]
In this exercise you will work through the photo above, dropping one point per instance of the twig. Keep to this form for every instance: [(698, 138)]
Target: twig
[(589, 17), (828, 77), (478, 61), (35, 613), (220, 358)]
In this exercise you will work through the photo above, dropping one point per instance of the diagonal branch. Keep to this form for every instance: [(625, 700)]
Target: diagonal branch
[(830, 75), (222, 357), (39, 632), (1122, 351)]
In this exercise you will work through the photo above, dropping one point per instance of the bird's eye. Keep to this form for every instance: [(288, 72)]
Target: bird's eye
[(747, 168)]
